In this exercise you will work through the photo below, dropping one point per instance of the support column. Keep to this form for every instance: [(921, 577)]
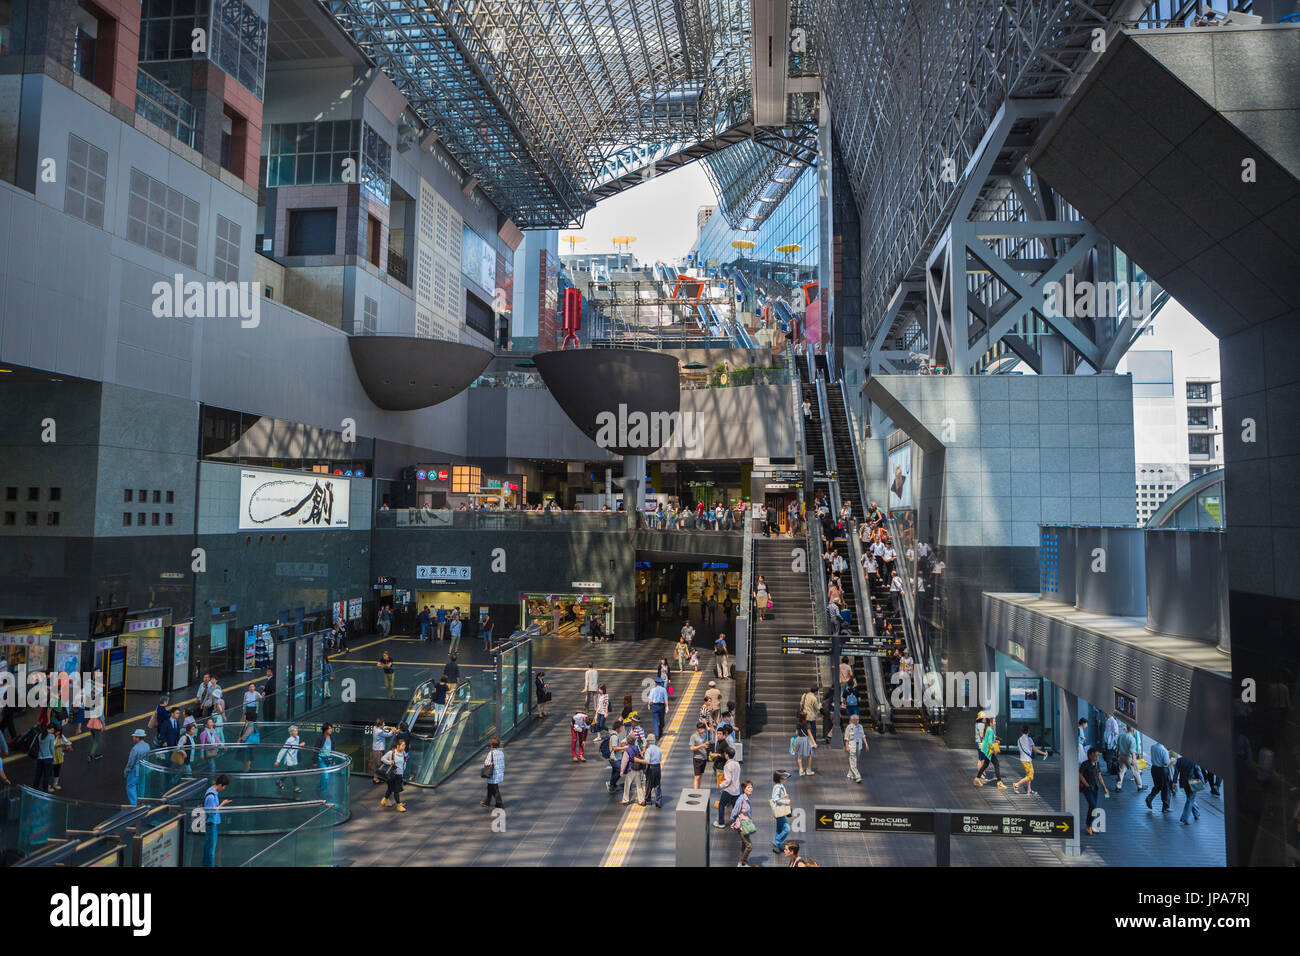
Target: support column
[(1069, 768), (633, 486)]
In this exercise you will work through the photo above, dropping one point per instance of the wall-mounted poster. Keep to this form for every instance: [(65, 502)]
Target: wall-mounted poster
[(1024, 693), (900, 477), (279, 500), (354, 609), (151, 652)]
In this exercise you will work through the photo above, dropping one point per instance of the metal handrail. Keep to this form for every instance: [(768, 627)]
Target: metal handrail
[(922, 652)]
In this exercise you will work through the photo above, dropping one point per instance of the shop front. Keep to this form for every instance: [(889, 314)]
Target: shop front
[(28, 645), (564, 615), (780, 495), (447, 587)]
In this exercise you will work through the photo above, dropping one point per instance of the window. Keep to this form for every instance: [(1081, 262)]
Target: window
[(226, 256), (478, 315), (157, 496), (87, 174), (11, 517), (166, 29), (162, 219), (32, 518), (156, 518), (52, 518), (169, 517), (374, 239), (11, 493), (33, 494), (311, 231), (1153, 373), (142, 497), (369, 318), (162, 96), (126, 519), (376, 159), (239, 43), (139, 518), (171, 497), (305, 154), (234, 140), (1199, 445), (126, 495), (1198, 392), (1198, 417), (56, 494)]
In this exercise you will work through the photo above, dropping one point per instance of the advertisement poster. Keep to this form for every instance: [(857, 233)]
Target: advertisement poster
[(1024, 693), (67, 655), (151, 652), (132, 653), (900, 477), (354, 609), (182, 650), (278, 500)]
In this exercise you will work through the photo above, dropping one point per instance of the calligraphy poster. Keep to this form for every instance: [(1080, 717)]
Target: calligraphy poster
[(281, 500)]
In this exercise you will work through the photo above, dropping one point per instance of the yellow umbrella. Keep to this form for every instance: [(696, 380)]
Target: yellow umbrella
[(572, 240), (622, 242), (792, 247)]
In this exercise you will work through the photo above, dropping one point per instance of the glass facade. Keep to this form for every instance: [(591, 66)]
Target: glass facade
[(239, 43), (376, 164), (794, 223), (307, 154)]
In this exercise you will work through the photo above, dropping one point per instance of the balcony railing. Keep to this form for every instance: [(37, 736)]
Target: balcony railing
[(397, 268)]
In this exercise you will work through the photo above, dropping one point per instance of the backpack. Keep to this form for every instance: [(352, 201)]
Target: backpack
[(851, 700), (604, 747)]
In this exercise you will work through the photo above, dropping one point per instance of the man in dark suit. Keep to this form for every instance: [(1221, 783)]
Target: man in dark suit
[(170, 731)]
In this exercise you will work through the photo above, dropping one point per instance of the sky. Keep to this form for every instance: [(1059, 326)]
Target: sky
[(660, 213)]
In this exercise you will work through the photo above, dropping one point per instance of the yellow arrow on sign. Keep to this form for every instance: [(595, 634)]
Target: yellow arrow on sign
[(1063, 826), (825, 819)]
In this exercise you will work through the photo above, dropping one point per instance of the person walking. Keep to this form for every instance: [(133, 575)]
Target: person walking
[(385, 664), (1192, 781), (1159, 776), (543, 693), (810, 705), (1090, 782), (1110, 744), (1027, 749), (185, 746), (455, 625), (802, 745), (578, 736), (495, 773), (139, 748), (209, 741), (1128, 752), (590, 686), (602, 707), (659, 706), (385, 621), (251, 697), (632, 768), (423, 619), (762, 599), (721, 658), (394, 763), (249, 737), (212, 804), (380, 735), (699, 747), (855, 742), (742, 823), (989, 748), (288, 756), (654, 758), (611, 748), (781, 810), (683, 649), (729, 790), (440, 621), (62, 747), (324, 747)]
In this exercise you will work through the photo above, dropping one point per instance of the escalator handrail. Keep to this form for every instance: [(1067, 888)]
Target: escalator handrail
[(922, 652)]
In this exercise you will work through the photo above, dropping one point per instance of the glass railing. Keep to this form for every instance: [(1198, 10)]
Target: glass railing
[(34, 818), (164, 107), (467, 732), (255, 778), (311, 843), (514, 520)]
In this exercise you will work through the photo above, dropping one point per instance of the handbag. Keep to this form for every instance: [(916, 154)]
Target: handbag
[(178, 758), (769, 604), (1142, 763), (1196, 785), (487, 770), (747, 827), (780, 809)]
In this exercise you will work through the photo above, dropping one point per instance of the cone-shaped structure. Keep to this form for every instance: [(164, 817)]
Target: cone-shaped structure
[(401, 373)]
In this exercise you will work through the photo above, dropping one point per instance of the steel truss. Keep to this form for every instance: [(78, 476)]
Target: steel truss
[(915, 83), (553, 104)]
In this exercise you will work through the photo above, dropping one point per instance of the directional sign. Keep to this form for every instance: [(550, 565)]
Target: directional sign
[(868, 820), (794, 476), (826, 476), (1057, 825)]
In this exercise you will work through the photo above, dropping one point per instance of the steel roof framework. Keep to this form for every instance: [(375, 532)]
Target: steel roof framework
[(547, 101)]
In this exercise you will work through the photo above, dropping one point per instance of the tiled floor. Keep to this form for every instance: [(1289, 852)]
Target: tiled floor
[(558, 813), (919, 771)]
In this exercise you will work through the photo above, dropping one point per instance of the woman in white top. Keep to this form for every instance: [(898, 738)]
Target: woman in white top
[(761, 598), (288, 755), (394, 767)]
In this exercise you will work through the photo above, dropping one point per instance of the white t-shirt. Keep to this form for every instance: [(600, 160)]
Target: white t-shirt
[(591, 679), (896, 584), (1026, 744), (580, 721)]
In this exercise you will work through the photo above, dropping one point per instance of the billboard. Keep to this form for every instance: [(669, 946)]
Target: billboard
[(900, 477), (280, 500)]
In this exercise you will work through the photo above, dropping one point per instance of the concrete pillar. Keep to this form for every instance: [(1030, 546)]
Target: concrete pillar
[(1070, 767), (633, 483), (692, 822)]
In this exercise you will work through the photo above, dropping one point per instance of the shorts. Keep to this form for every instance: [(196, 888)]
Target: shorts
[(1029, 768), (700, 766)]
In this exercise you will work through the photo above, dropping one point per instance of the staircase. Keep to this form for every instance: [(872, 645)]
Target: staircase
[(779, 679)]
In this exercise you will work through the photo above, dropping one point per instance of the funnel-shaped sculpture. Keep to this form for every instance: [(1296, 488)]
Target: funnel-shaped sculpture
[(625, 400), (401, 373)]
